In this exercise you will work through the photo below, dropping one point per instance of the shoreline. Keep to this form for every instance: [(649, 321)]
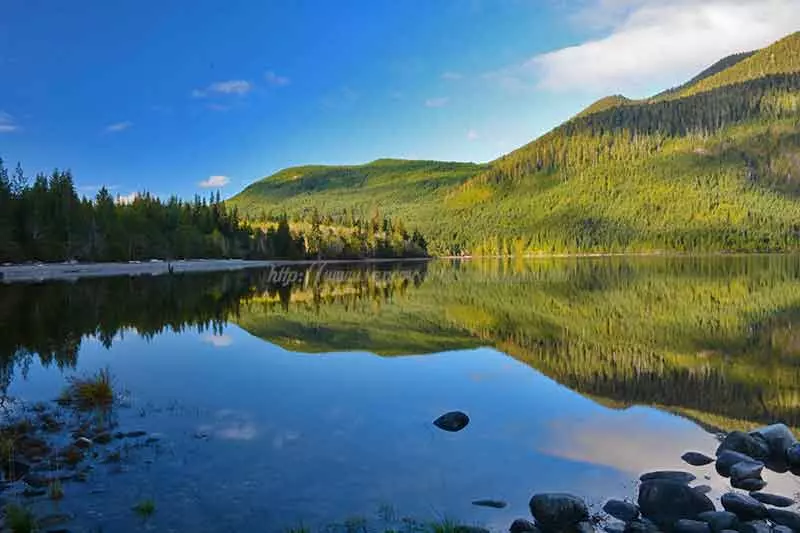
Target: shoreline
[(72, 272)]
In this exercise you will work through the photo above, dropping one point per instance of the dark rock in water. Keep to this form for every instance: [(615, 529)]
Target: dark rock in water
[(614, 528), (625, 511), (690, 526), (746, 469), (668, 475), (782, 529), (641, 525), (452, 421), (584, 527), (697, 458), (520, 525), (773, 499), (755, 526), (556, 512), (744, 506), (494, 504), (702, 489), (784, 518), (749, 484), (719, 520), (753, 445), (726, 459), (665, 502), (793, 455), (15, 470), (779, 438)]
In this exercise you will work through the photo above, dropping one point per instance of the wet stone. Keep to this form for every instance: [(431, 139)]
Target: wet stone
[(621, 510), (690, 526), (726, 459), (665, 502), (750, 484), (697, 458), (784, 518), (773, 499), (668, 475), (520, 525), (494, 504), (556, 511), (744, 506), (754, 446), (719, 520)]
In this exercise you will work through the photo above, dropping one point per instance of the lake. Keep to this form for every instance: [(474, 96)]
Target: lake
[(279, 397)]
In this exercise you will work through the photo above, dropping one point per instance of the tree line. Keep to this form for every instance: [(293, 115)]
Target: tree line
[(45, 219)]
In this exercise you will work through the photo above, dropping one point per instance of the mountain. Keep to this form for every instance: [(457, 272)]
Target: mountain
[(712, 165)]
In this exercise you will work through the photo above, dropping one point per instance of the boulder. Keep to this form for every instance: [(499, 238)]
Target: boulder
[(690, 526), (665, 502), (773, 499), (641, 525), (784, 518), (782, 529), (779, 438), (668, 475), (584, 527), (452, 421), (746, 470), (744, 506), (719, 520), (557, 512), (753, 445), (726, 459), (470, 529), (702, 489), (616, 527), (697, 459), (520, 525), (749, 484), (793, 455), (755, 526), (621, 510)]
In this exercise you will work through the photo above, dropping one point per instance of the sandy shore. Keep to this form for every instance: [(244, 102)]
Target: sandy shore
[(63, 271)]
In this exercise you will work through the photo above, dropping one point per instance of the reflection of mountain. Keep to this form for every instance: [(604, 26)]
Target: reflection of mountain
[(714, 339)]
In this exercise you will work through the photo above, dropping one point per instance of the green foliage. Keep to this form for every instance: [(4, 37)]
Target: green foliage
[(92, 392), (20, 519), (145, 508)]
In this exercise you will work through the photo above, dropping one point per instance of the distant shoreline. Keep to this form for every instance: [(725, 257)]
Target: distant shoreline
[(70, 272)]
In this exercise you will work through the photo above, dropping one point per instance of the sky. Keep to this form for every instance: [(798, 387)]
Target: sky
[(185, 98)]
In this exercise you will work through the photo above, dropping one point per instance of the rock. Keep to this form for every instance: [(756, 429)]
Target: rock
[(782, 529), (83, 442), (470, 529), (494, 504), (140, 433), (753, 445), (793, 455), (746, 470), (702, 489), (690, 526), (641, 525), (584, 527), (614, 528), (784, 518), (556, 512), (743, 506), (726, 459), (452, 421), (621, 510), (520, 525), (779, 438), (719, 520), (697, 458), (666, 502), (750, 484), (668, 475), (773, 499), (755, 526)]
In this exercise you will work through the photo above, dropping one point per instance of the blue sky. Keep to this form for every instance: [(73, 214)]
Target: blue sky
[(184, 97)]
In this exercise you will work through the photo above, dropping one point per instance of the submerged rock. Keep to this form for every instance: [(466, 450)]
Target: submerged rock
[(749, 484), (744, 506), (690, 526), (520, 525), (773, 499), (494, 504), (753, 445), (719, 520), (621, 510), (668, 475), (697, 458), (452, 421), (665, 502), (557, 512)]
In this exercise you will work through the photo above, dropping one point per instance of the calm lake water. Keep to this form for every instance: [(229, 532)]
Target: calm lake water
[(306, 396)]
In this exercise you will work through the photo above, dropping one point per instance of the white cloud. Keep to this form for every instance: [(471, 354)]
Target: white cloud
[(437, 102), (218, 341), (237, 87), (452, 76), (7, 124), (126, 199), (472, 135), (651, 42), (119, 126), (215, 182), (276, 80)]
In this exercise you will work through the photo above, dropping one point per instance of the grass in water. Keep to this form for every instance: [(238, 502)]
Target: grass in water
[(93, 392), (20, 519), (55, 491), (145, 508)]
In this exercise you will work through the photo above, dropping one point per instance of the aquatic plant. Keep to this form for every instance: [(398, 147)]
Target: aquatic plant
[(445, 525), (386, 512), (145, 508), (55, 490), (92, 392), (20, 519)]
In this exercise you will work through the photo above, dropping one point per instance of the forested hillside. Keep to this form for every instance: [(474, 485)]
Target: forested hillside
[(713, 165)]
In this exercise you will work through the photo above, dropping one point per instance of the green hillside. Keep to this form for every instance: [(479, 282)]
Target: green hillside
[(712, 166)]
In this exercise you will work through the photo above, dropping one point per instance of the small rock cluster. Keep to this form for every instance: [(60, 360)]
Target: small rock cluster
[(667, 502)]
